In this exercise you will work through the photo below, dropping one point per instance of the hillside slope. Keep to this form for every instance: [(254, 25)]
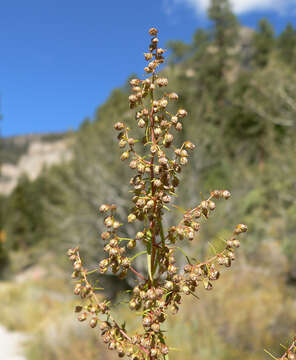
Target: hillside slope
[(29, 154)]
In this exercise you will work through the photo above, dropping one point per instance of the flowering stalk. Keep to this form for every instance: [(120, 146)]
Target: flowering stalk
[(161, 289), (290, 353)]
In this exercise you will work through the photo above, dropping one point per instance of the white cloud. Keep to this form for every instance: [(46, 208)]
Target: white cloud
[(243, 6)]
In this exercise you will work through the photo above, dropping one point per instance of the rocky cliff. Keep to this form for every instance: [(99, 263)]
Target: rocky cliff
[(29, 154)]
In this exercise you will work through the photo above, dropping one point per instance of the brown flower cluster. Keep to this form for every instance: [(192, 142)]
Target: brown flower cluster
[(160, 290), (290, 353)]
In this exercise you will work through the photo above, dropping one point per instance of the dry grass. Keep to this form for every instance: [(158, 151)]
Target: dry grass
[(249, 309)]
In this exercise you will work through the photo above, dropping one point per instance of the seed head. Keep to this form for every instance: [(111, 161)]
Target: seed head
[(104, 208), (162, 82), (148, 56), (82, 317), (119, 126), (124, 156), (132, 98), (141, 123), (181, 113), (153, 31), (241, 228), (226, 194), (173, 96)]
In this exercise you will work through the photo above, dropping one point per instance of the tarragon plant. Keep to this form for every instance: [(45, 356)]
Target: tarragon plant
[(157, 164)]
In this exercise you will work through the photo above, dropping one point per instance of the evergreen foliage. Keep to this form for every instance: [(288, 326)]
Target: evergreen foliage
[(287, 45), (264, 42)]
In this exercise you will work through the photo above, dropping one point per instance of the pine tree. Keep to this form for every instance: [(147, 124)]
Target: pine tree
[(287, 45), (224, 34), (263, 42)]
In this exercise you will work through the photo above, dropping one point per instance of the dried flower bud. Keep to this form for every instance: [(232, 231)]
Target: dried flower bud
[(157, 131), (207, 285), (236, 243), (163, 103), (174, 119), (104, 208), (136, 89), (184, 153), (172, 269), (229, 243), (190, 235), (108, 221), (124, 156), (133, 164), (133, 304), (152, 65), (119, 126), (132, 98), (155, 327), (183, 160), (131, 141), (82, 317), (204, 204), (131, 244), (141, 123), (226, 194), (122, 143), (104, 263), (131, 218), (166, 199), (139, 235), (125, 262), (157, 183), (153, 31), (212, 205), (77, 266), (77, 289), (173, 96), (186, 290), (147, 321), (189, 146), (162, 82), (148, 56), (241, 228), (135, 82), (141, 168), (168, 138), (178, 126), (160, 51), (164, 349), (71, 252), (93, 322), (169, 285), (181, 113), (151, 294), (150, 204)]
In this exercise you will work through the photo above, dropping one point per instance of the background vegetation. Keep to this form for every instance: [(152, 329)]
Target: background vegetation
[(238, 86)]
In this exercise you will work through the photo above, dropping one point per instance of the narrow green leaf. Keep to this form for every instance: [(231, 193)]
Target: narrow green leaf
[(149, 266)]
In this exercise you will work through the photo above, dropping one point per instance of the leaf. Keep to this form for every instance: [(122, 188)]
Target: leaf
[(149, 266)]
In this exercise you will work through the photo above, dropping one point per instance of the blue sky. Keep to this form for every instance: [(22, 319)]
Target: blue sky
[(60, 59)]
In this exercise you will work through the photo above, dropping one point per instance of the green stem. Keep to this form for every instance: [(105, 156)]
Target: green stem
[(124, 239), (161, 233), (91, 271), (138, 254)]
